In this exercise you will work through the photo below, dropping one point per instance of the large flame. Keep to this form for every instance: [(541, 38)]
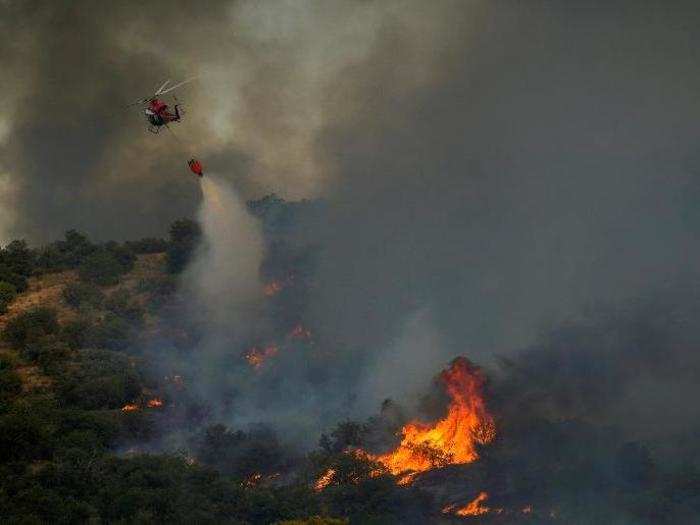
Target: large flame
[(452, 440), (473, 508), (324, 480)]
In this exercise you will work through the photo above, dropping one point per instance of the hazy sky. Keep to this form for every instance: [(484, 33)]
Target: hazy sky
[(497, 165)]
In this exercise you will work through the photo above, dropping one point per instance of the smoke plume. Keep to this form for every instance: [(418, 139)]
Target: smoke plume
[(223, 278)]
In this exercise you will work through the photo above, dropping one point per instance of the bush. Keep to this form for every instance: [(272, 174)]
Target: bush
[(27, 429), (112, 332), (184, 239), (10, 384), (46, 351), (30, 326), (73, 332), (8, 292), (102, 267), (98, 379), (86, 430), (123, 254), (18, 258), (121, 305), (18, 281), (148, 245), (240, 454), (68, 253), (83, 295)]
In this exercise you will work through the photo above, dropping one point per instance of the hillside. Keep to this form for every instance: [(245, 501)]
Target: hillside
[(46, 291), (126, 399), (98, 424)]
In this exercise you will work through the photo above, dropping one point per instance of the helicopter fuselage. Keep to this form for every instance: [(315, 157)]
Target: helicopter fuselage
[(157, 113)]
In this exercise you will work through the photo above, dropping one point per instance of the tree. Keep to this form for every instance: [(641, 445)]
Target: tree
[(18, 257), (102, 267), (185, 236), (82, 295), (30, 326), (8, 292)]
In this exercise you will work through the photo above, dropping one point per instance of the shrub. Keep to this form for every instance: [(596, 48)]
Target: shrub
[(10, 384), (122, 253), (9, 276), (27, 429), (68, 253), (120, 304), (82, 295), (73, 332), (46, 351), (8, 292), (184, 239), (112, 332), (30, 326), (102, 267), (148, 245), (18, 258), (98, 379)]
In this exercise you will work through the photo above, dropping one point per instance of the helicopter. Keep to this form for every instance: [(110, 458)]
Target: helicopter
[(156, 111), (158, 115)]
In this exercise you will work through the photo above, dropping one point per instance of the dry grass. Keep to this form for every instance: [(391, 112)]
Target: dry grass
[(46, 290)]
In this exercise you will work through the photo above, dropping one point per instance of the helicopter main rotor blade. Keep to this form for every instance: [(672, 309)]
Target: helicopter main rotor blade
[(161, 88), (140, 101), (176, 86)]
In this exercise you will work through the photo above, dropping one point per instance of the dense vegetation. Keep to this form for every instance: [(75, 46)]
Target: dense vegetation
[(85, 413), (70, 370)]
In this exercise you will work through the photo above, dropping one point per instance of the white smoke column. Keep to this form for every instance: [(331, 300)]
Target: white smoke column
[(404, 370), (224, 274)]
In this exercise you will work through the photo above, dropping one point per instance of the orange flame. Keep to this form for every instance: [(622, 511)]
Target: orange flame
[(324, 480), (154, 403), (256, 357), (130, 407), (451, 440), (473, 508)]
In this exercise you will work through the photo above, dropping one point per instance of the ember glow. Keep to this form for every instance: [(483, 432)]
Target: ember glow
[(324, 480), (130, 407), (299, 332), (451, 440), (154, 403), (256, 356), (273, 288)]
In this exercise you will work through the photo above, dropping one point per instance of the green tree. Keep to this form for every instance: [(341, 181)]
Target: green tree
[(83, 295), (185, 236), (102, 267), (18, 258), (30, 326), (10, 384), (8, 292)]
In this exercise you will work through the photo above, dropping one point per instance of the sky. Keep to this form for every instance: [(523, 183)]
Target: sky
[(492, 169)]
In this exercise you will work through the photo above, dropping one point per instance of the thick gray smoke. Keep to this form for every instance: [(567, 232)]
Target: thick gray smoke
[(502, 165)]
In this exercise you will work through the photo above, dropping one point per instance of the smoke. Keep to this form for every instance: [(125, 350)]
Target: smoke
[(403, 370), (223, 278), (502, 166), (265, 70)]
